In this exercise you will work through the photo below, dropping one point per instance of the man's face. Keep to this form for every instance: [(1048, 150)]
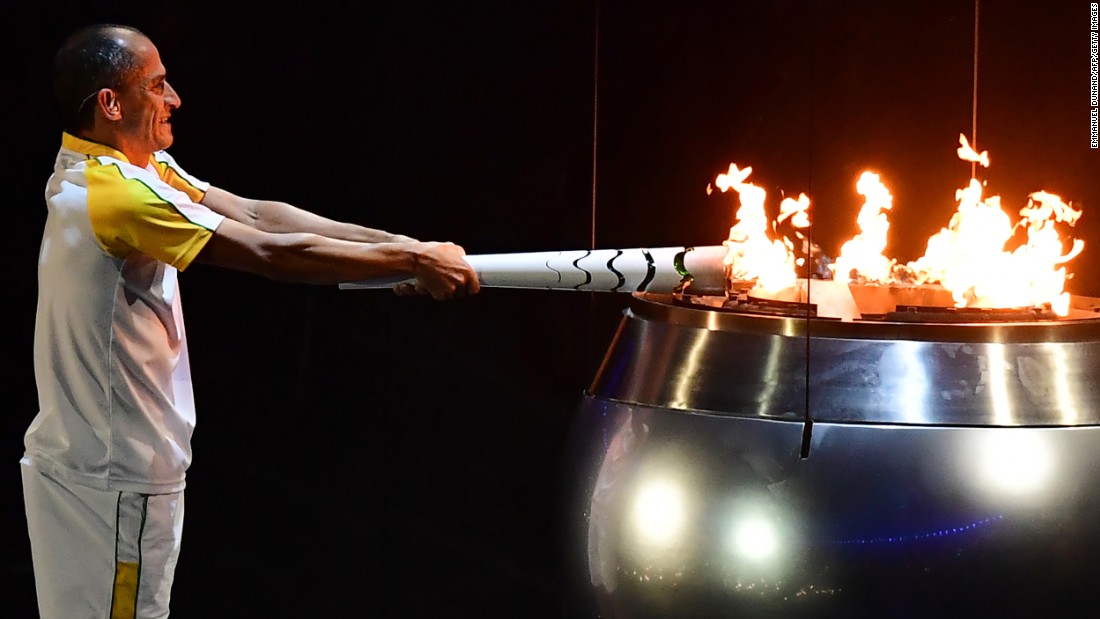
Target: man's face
[(147, 102)]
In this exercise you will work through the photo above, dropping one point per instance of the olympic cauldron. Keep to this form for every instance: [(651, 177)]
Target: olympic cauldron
[(744, 457), (853, 451)]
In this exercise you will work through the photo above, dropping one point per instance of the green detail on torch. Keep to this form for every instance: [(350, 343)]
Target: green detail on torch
[(678, 262), (685, 276)]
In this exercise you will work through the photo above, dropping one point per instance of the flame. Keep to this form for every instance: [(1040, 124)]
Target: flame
[(752, 254), (862, 256), (968, 257), (796, 210), (966, 153)]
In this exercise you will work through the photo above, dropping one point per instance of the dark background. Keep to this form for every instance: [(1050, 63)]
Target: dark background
[(359, 454)]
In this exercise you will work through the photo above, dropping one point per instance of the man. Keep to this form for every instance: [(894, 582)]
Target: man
[(105, 460)]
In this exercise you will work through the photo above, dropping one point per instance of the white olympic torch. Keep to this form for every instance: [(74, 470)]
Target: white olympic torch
[(660, 270)]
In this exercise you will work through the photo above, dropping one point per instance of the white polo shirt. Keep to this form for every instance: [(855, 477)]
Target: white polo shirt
[(116, 410)]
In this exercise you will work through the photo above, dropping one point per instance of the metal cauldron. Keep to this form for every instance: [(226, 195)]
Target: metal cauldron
[(738, 464)]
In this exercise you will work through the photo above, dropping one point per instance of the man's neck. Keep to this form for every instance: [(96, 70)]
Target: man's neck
[(117, 142)]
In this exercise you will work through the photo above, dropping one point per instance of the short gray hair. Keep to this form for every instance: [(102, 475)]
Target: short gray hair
[(91, 59)]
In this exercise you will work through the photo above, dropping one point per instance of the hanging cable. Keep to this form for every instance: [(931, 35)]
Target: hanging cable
[(808, 420), (592, 356), (974, 97), (595, 116)]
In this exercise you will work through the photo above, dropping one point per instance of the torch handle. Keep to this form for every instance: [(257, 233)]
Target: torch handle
[(660, 269)]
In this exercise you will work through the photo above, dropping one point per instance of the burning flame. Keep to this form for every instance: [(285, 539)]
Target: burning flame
[(862, 255), (752, 254), (968, 257), (966, 153)]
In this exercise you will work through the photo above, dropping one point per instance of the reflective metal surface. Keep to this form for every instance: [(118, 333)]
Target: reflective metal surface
[(736, 465), (1020, 374), (689, 515)]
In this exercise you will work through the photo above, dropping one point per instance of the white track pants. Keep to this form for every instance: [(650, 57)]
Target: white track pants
[(101, 555)]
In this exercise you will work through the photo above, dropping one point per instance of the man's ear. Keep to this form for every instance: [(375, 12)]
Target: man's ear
[(108, 103)]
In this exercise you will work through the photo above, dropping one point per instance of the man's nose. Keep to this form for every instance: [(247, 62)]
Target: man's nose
[(171, 96)]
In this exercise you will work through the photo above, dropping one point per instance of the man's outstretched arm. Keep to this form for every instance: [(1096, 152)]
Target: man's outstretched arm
[(273, 216), (440, 269)]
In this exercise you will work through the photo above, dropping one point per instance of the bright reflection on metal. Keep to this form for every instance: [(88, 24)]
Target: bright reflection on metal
[(772, 381), (755, 542), (688, 373), (1067, 404), (790, 328), (1014, 461), (997, 377), (659, 513), (911, 379), (755, 538), (712, 321)]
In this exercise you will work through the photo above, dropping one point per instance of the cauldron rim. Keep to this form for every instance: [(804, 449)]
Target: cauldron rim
[(1082, 325)]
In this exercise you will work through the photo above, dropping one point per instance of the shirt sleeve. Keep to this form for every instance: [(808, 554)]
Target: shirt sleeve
[(171, 172), (134, 210)]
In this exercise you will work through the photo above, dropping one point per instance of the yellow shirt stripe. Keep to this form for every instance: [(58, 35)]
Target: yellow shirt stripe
[(129, 215)]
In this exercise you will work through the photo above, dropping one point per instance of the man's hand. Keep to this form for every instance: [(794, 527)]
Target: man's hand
[(441, 271)]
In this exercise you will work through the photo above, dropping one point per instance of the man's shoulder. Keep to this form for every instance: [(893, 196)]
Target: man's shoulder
[(173, 173), (88, 149)]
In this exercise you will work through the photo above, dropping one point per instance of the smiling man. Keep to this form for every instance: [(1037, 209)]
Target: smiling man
[(106, 456)]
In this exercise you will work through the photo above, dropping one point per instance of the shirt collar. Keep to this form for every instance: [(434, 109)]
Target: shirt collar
[(89, 148)]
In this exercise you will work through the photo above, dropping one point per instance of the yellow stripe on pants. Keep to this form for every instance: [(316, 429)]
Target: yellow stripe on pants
[(125, 596)]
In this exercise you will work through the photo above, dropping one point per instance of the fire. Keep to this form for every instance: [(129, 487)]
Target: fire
[(967, 153), (753, 254), (862, 255), (968, 257)]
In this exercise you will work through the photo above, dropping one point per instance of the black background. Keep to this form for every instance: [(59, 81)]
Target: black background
[(360, 454)]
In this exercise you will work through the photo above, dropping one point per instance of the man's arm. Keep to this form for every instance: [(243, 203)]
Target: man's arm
[(271, 216), (282, 242)]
